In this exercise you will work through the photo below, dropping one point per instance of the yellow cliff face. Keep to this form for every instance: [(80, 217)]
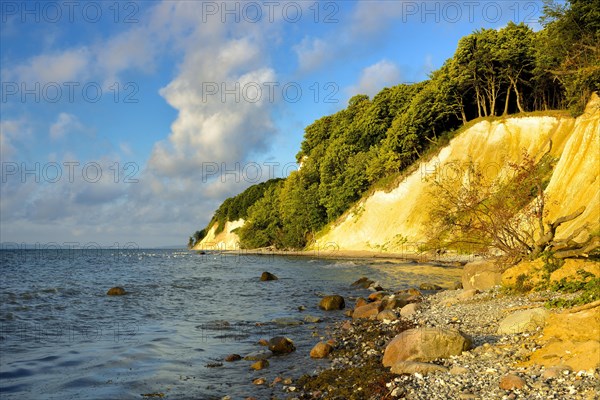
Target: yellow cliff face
[(378, 220), (225, 240)]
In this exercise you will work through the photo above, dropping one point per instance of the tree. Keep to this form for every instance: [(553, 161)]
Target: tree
[(505, 216)]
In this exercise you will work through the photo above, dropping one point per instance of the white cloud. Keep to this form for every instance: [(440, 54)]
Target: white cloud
[(371, 17), (65, 123), (64, 66), (375, 77), (312, 53)]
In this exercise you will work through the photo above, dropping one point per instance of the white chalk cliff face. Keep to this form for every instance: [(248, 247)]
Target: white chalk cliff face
[(376, 222), (225, 240)]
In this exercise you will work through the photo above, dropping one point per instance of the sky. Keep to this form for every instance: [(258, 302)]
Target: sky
[(127, 123)]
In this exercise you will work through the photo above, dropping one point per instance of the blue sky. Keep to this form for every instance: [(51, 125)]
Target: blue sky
[(132, 121)]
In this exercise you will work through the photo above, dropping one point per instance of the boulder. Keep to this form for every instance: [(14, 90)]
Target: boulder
[(286, 321), (258, 355), (260, 364), (393, 302), (334, 302), (511, 381), (523, 321), (387, 315), (311, 319), (233, 357), (412, 367), (368, 311), (409, 310), (281, 345), (426, 344), (267, 276), (116, 291), (361, 301), (321, 350), (481, 275), (363, 283), (377, 296)]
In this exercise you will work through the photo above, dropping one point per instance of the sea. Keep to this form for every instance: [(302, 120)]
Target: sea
[(62, 337)]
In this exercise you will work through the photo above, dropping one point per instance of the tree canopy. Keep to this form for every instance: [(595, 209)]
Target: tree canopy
[(492, 73)]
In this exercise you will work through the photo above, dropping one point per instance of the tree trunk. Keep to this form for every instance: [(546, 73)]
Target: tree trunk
[(514, 85), (507, 100), (478, 101)]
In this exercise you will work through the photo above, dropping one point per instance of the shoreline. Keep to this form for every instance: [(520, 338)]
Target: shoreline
[(356, 370), (363, 255)]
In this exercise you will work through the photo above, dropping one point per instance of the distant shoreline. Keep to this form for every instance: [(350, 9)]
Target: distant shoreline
[(363, 255)]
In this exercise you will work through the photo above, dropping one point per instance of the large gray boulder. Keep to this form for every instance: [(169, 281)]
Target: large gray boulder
[(426, 344)]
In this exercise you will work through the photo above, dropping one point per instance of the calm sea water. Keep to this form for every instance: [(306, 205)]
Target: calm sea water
[(63, 337)]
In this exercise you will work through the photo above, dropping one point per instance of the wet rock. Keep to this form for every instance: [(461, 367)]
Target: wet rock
[(321, 350), (426, 344), (267, 276), (348, 313), (258, 355), (281, 345), (429, 286), (334, 302), (361, 301), (287, 321), (412, 367), (260, 364), (233, 357), (511, 381), (263, 342), (377, 296), (523, 321), (311, 319), (410, 309), (393, 302), (369, 311), (387, 315), (363, 283), (116, 291), (259, 381)]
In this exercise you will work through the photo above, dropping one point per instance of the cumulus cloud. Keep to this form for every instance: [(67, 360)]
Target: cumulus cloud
[(375, 77), (312, 53), (65, 123), (372, 17)]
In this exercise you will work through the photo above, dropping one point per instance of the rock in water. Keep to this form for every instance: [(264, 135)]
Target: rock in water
[(233, 357), (429, 286), (116, 291), (267, 276), (334, 302), (321, 350), (363, 283), (426, 344), (281, 345), (260, 364)]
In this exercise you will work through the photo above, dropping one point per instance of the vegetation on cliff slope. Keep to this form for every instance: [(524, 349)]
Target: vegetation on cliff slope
[(492, 73)]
